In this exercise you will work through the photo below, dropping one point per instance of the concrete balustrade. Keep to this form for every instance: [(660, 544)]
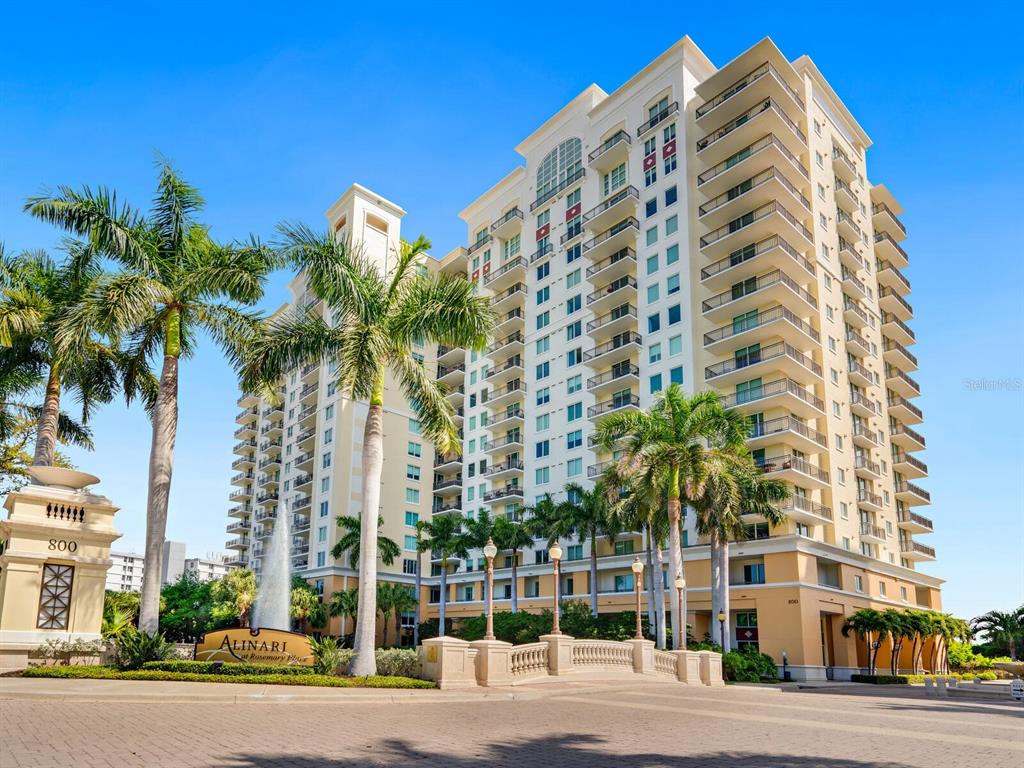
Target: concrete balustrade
[(455, 663)]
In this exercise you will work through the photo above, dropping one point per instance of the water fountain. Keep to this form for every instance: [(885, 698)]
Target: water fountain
[(273, 597)]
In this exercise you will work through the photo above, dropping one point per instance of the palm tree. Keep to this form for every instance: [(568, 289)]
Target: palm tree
[(386, 603), (1002, 626), (420, 547), (512, 536), (402, 601), (345, 603), (587, 513), (175, 283), (898, 628), (233, 595), (665, 445), (918, 624), (445, 539), (479, 530), (387, 549), (868, 625), (381, 312), (732, 486)]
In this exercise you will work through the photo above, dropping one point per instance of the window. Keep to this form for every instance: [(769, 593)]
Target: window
[(651, 207), (574, 384), (573, 253), (670, 163), (574, 330), (672, 285), (414, 449), (543, 294), (415, 427), (650, 145), (543, 421), (409, 567), (652, 264), (574, 467), (409, 543), (411, 518), (543, 270), (676, 375), (654, 323), (574, 357), (655, 383), (672, 254), (903, 594), (543, 319), (654, 354), (573, 304), (670, 196), (653, 293), (614, 179), (858, 583), (543, 370), (559, 165), (321, 559), (325, 484), (412, 472), (543, 396), (542, 449), (55, 596), (624, 582), (542, 345), (574, 411), (328, 436), (671, 225), (675, 314), (574, 439), (574, 552), (323, 509), (321, 534), (881, 588), (753, 573), (572, 279), (412, 495), (542, 475), (326, 460), (844, 510), (652, 235)]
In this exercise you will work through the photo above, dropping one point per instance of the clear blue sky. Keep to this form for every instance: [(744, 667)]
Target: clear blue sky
[(273, 110)]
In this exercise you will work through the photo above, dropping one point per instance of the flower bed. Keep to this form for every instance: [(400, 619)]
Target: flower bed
[(276, 678)]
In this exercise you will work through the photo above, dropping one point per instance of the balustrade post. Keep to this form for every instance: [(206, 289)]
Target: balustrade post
[(493, 663), (688, 667), (643, 656), (711, 668), (559, 653)]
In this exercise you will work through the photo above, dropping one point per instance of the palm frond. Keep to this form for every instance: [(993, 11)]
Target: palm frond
[(287, 342), (445, 309), (433, 410)]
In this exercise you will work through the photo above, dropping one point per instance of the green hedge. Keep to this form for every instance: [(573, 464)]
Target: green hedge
[(880, 679), (326, 681), (230, 669)]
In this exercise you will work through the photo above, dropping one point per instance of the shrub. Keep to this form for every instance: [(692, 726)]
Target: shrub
[(133, 648), (881, 679), (226, 669), (326, 655), (398, 662), (326, 681), (748, 666), (516, 628)]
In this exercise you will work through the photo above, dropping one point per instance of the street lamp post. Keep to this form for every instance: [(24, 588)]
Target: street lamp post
[(721, 628), (555, 553), (680, 642), (638, 572), (489, 552)]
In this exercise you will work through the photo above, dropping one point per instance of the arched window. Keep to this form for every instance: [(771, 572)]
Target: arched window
[(559, 164)]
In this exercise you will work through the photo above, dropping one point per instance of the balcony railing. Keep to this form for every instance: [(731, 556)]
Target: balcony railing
[(863, 462), (838, 154), (616, 138), (608, 234), (891, 372), (761, 144), (760, 283), (786, 424), (867, 497), (883, 208), (906, 486), (803, 504), (569, 181), (848, 276), (657, 119), (903, 429), (881, 237), (443, 371), (764, 354), (765, 70), (612, 201), (763, 317), (509, 491), (508, 466), (628, 339), (742, 222), (889, 317), (856, 398), (512, 386), (544, 250), (737, 192), (859, 430), (450, 482), (612, 375), (614, 404), (512, 362), (854, 367), (789, 461), (515, 213), (906, 516), (751, 113), (763, 246), (854, 306), (627, 281), (619, 255), (517, 263), (771, 389), (842, 217), (503, 442), (876, 531), (480, 243), (899, 457), (885, 292), (510, 339), (913, 546), (626, 310)]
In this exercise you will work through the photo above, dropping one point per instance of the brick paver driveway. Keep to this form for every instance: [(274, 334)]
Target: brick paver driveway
[(628, 726)]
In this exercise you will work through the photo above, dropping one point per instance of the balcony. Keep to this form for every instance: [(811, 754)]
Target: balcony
[(850, 258), (248, 415), (450, 355), (451, 376), (883, 219), (872, 534), (448, 485), (794, 469), (915, 523), (305, 436), (246, 430), (300, 523), (452, 508), (235, 561), (240, 510), (765, 152), (790, 430), (308, 392), (892, 303), (481, 241), (613, 239), (904, 410), (764, 117), (866, 468), (511, 343), (781, 357), (619, 205), (658, 119), (621, 376), (772, 254), (264, 515), (617, 291), (900, 383), (897, 330), (271, 446), (803, 510), (843, 166), (904, 437), (239, 542), (511, 321), (869, 501), (509, 273), (891, 277), (844, 194), (267, 496), (628, 343), (848, 229), (508, 224), (859, 374), (864, 437), (244, 462), (857, 343), (273, 429), (759, 224), (854, 313), (765, 187), (756, 85), (302, 459), (622, 318), (911, 550), (243, 478), (507, 493), (504, 470), (772, 322), (505, 372), (445, 463), (514, 391), (887, 249), (269, 463), (622, 262), (542, 253), (240, 526), (781, 393), (912, 495), (302, 480), (571, 180), (247, 400), (624, 402), (310, 372), (303, 502), (862, 405), (908, 466), (611, 152), (511, 416), (771, 288), (506, 444), (307, 412), (852, 286)]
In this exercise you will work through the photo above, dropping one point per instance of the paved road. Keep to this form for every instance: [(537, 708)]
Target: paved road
[(626, 725)]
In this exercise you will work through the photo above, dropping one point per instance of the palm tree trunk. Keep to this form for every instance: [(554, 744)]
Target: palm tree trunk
[(593, 573), (652, 618), (515, 579), (419, 587), (365, 661), (659, 595), (675, 558), (679, 643), (716, 594), (913, 655), (723, 578), (444, 597), (161, 464), (46, 431)]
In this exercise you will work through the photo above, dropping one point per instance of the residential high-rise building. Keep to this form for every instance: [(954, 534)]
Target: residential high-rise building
[(713, 227), (125, 574)]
